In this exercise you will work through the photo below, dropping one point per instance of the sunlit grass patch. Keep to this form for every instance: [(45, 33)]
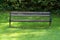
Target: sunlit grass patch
[(15, 24), (21, 34), (4, 25)]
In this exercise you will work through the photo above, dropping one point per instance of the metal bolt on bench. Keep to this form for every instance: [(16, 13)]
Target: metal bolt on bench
[(23, 14)]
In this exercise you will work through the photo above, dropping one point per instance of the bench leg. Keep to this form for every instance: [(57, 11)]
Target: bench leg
[(9, 23), (50, 23), (10, 20)]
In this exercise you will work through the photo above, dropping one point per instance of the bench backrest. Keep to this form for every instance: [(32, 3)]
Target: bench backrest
[(16, 13)]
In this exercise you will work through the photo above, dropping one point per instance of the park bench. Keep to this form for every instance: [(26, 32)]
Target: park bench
[(27, 14)]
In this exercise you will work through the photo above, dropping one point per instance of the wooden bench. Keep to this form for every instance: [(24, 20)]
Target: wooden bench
[(26, 14)]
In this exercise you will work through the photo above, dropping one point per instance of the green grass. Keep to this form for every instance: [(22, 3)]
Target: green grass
[(28, 33)]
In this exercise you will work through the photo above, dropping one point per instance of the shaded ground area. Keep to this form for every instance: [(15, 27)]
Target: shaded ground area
[(7, 33)]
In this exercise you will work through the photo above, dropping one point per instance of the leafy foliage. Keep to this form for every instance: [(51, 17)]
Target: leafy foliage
[(30, 5)]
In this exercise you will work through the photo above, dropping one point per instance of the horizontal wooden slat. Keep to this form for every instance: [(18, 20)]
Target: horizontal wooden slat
[(30, 15), (30, 20), (13, 13), (29, 12)]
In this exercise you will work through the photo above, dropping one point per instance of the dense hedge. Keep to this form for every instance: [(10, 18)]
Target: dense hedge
[(30, 5)]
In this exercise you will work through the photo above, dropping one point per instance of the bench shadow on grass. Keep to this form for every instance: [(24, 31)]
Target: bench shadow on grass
[(27, 27), (30, 25)]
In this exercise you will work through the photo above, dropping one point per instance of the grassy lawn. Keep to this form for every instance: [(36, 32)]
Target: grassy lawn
[(29, 33)]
